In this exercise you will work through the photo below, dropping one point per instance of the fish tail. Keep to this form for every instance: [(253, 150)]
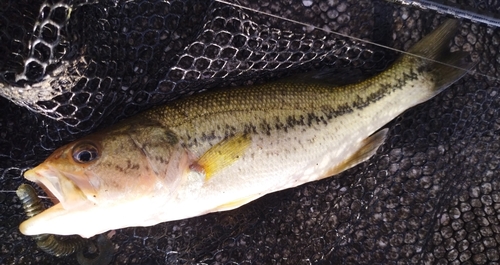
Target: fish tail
[(444, 67)]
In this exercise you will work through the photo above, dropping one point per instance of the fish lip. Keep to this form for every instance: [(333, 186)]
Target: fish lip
[(68, 198), (58, 187), (37, 175)]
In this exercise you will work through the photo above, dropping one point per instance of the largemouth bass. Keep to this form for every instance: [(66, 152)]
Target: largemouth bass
[(218, 150)]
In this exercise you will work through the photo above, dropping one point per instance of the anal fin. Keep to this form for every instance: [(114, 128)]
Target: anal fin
[(367, 149)]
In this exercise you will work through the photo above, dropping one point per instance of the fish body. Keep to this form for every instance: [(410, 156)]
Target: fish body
[(219, 150)]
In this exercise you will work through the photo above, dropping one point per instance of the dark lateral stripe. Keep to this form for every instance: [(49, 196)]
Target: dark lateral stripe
[(328, 112), (385, 88)]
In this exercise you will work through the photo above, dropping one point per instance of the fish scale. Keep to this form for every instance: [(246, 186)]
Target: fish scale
[(208, 118)]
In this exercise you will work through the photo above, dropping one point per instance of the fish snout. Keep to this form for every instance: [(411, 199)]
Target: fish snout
[(47, 179), (36, 173)]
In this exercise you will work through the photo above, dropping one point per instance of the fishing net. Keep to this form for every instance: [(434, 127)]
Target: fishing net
[(430, 195)]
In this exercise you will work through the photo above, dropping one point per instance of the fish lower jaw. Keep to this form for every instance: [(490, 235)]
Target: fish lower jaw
[(55, 220), (89, 220)]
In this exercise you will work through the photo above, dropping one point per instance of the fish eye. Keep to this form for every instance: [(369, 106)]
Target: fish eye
[(85, 152)]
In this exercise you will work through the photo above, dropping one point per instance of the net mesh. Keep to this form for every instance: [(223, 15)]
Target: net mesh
[(430, 195)]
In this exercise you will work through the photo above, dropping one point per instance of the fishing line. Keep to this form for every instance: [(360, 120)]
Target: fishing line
[(453, 10), (354, 38)]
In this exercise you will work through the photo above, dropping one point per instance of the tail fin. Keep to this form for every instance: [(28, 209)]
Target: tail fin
[(446, 67)]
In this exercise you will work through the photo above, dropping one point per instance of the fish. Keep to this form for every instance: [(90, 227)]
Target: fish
[(218, 150)]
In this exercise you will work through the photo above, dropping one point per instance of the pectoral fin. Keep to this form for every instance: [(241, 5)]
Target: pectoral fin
[(367, 149), (223, 154)]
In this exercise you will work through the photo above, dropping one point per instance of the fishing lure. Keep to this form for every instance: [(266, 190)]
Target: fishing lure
[(56, 246), (47, 242)]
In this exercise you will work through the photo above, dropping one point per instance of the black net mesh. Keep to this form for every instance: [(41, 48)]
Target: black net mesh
[(430, 195)]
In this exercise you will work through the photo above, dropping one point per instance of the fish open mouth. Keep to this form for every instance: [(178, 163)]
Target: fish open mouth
[(68, 199), (57, 186), (47, 191)]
